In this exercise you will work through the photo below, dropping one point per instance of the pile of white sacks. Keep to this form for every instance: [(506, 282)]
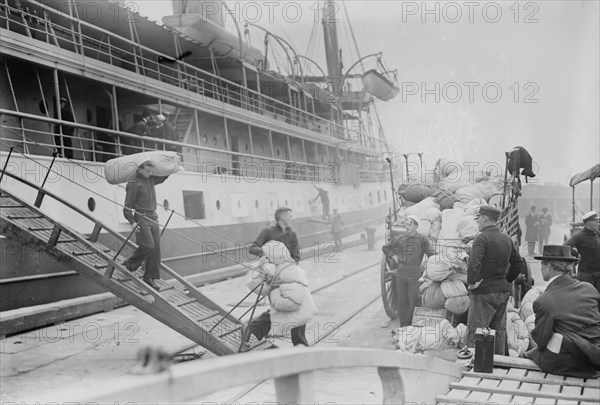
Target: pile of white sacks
[(447, 212), (519, 324)]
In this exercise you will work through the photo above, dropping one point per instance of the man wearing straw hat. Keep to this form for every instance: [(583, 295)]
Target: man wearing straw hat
[(567, 319), (587, 243)]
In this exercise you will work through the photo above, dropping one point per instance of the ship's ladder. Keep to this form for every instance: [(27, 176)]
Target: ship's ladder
[(178, 304)]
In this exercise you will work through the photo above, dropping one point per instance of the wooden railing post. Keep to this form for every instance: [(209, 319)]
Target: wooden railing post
[(393, 387), (295, 389)]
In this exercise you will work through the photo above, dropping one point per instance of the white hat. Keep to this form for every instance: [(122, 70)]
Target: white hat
[(589, 216), (414, 218), (160, 117)]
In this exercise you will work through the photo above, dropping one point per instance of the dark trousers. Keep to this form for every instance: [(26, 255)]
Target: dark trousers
[(590, 277), (488, 311), (543, 240), (337, 240), (148, 240), (261, 325), (66, 142), (407, 292)]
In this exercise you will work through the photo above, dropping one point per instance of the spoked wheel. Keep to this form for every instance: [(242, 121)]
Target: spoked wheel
[(388, 289)]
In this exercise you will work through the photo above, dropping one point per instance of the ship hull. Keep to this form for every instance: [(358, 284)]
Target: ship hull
[(235, 209)]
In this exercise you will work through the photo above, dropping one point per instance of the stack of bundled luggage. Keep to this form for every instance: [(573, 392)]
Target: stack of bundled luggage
[(447, 209)]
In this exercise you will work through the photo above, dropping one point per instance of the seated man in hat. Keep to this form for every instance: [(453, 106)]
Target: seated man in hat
[(494, 262), (587, 243), (567, 319)]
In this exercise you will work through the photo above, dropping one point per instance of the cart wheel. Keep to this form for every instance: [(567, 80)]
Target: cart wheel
[(388, 289)]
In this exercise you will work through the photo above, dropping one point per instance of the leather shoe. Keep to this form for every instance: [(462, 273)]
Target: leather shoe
[(152, 283), (386, 323)]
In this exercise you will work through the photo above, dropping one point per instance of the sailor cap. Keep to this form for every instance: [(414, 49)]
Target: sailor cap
[(489, 211), (160, 117), (589, 216), (414, 218)]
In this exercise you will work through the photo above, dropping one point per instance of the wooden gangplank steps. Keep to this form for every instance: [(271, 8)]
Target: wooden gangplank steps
[(178, 304), (520, 381)]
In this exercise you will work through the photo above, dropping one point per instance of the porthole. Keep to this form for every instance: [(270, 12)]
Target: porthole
[(246, 146), (256, 203), (88, 115), (166, 204), (218, 205), (91, 204), (42, 106), (262, 149), (214, 140), (205, 139), (278, 152)]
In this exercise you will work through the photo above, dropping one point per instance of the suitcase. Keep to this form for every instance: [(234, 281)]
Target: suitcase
[(484, 350)]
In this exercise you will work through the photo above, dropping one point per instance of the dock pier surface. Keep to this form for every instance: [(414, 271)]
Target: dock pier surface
[(43, 365)]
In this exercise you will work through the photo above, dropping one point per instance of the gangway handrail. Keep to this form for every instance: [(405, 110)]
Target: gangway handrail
[(401, 374), (191, 288)]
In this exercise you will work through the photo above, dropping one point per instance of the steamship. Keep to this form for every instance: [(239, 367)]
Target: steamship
[(251, 137)]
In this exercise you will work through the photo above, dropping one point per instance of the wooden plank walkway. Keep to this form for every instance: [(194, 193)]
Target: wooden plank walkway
[(520, 381)]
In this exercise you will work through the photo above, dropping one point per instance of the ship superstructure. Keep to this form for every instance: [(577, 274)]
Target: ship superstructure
[(251, 139)]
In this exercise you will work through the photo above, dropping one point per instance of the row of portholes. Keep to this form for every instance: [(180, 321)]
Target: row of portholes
[(214, 140), (91, 203)]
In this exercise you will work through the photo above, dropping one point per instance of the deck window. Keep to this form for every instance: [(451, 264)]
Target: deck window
[(193, 204)]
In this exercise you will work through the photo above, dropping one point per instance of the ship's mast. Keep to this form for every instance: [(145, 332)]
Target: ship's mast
[(332, 48)]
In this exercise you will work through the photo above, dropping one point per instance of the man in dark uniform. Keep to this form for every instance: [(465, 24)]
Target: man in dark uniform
[(281, 232), (140, 210), (64, 142), (140, 128), (407, 251), (531, 231), (167, 131), (567, 319), (494, 262), (337, 226), (587, 243)]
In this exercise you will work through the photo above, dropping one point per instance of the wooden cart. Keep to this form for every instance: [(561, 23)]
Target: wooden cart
[(508, 223)]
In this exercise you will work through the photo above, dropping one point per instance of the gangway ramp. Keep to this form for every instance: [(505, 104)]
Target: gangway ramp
[(177, 304)]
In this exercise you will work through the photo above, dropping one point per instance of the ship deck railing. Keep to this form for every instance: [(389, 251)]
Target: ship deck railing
[(132, 56), (196, 158)]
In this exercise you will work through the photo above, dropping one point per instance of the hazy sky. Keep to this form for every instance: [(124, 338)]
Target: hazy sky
[(476, 77)]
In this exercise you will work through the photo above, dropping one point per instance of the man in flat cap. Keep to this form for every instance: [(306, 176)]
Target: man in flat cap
[(567, 319), (587, 243), (494, 263)]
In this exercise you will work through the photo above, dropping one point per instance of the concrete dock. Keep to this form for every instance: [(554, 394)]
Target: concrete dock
[(42, 366)]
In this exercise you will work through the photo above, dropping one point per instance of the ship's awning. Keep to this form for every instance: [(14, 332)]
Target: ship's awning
[(589, 174)]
